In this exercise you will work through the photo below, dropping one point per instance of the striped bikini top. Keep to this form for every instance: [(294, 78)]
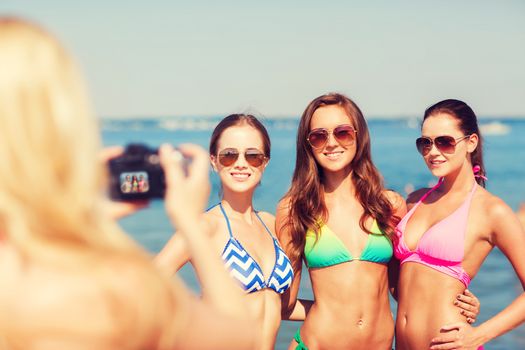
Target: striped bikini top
[(247, 271)]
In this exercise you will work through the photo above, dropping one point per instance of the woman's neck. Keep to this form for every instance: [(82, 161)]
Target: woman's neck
[(238, 205), (459, 181), (338, 184)]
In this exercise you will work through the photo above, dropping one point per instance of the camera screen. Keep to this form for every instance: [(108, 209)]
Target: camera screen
[(134, 182)]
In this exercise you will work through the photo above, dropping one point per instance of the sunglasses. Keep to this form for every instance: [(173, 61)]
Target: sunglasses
[(445, 144), (344, 134), (253, 156)]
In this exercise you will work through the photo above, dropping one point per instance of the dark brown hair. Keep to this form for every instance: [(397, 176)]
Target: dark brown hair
[(467, 123), (306, 200), (236, 120)]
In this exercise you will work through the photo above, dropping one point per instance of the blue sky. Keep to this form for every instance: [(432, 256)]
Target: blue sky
[(394, 58)]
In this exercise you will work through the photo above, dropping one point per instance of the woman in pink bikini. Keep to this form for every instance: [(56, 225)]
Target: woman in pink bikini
[(447, 234)]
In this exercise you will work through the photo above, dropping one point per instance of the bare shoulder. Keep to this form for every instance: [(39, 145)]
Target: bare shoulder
[(213, 219), (133, 270), (394, 198), (212, 213), (493, 207), (283, 207), (497, 217), (135, 289), (268, 218), (76, 290), (397, 202), (521, 214), (281, 219), (416, 196), (92, 297), (138, 284)]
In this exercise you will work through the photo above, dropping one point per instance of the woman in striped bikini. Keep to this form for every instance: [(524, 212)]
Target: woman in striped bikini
[(240, 151)]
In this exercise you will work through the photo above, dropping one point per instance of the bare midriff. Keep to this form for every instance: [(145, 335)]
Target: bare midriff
[(265, 305), (351, 312), (426, 303)]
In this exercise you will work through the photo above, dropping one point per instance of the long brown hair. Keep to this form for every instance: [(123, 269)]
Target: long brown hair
[(305, 197), (467, 123)]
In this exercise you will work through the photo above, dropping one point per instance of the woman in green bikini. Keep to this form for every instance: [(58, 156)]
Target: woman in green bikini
[(338, 217)]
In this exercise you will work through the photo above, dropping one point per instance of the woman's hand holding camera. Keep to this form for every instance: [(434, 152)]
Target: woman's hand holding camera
[(187, 190), (187, 185)]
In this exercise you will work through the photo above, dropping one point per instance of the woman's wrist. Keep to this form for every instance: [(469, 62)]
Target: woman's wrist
[(481, 335), (185, 221), (193, 229)]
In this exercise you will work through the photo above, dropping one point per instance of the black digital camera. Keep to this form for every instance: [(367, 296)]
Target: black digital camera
[(136, 174)]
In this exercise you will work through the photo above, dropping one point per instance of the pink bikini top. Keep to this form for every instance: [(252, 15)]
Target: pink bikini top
[(442, 246)]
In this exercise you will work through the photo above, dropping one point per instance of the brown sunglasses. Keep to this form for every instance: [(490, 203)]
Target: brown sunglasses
[(253, 156), (445, 143), (345, 134)]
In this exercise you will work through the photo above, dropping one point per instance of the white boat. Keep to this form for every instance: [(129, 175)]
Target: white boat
[(494, 128)]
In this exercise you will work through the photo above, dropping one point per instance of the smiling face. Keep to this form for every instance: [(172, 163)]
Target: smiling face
[(334, 156), (442, 163), (240, 176)]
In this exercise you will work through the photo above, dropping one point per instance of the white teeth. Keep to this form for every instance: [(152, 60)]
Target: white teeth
[(240, 176), (333, 155), (436, 163)]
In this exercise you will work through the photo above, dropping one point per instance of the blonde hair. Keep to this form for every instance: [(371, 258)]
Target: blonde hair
[(51, 180)]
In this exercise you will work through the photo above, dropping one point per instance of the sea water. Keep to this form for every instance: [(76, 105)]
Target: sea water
[(394, 153)]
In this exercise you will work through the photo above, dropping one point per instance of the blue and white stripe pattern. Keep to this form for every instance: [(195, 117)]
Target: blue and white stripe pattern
[(282, 274), (248, 272)]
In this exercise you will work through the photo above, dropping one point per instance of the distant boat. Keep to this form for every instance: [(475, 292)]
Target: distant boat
[(494, 128), (413, 123)]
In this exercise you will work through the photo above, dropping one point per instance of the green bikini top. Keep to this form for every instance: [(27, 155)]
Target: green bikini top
[(329, 249)]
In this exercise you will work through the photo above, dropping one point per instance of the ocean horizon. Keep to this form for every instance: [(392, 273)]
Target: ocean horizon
[(293, 116)]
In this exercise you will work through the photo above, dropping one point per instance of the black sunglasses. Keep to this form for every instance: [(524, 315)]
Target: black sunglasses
[(445, 143)]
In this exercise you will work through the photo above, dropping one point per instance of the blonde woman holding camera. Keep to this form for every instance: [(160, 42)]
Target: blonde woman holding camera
[(69, 277)]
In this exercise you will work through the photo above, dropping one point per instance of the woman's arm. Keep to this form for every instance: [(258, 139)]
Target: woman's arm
[(173, 255), (521, 214), (393, 276), (399, 210), (205, 327), (509, 236), (218, 288), (299, 312), (289, 298)]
